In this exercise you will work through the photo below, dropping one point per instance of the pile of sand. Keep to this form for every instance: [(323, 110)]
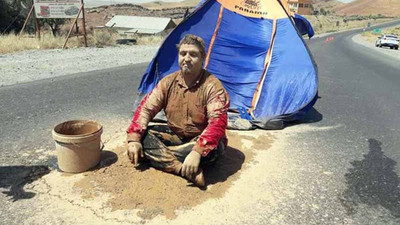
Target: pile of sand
[(157, 193), (118, 193)]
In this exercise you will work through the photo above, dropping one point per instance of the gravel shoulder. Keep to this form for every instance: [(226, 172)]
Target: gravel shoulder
[(33, 65), (26, 66)]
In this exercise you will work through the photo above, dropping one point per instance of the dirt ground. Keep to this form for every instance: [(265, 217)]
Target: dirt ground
[(118, 191), (156, 192)]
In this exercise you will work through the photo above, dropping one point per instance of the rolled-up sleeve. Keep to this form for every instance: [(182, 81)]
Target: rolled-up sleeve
[(217, 109), (151, 104)]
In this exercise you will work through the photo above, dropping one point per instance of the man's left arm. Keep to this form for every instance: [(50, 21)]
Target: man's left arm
[(217, 109)]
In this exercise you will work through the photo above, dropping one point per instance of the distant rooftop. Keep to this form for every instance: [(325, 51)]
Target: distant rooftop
[(140, 23)]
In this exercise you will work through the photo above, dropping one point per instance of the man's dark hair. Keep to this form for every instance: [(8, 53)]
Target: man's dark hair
[(191, 39)]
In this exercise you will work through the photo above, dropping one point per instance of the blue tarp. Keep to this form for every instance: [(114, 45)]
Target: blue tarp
[(238, 60)]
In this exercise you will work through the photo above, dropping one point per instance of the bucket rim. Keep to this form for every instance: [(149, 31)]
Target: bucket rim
[(78, 135)]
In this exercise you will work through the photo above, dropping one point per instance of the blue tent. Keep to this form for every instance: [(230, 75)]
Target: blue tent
[(303, 25), (255, 50)]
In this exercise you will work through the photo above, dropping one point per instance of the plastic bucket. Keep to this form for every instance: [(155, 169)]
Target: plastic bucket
[(78, 145)]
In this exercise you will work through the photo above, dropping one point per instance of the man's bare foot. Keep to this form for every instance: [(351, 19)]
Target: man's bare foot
[(197, 179)]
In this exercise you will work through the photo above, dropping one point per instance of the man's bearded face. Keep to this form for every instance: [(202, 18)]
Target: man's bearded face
[(190, 59)]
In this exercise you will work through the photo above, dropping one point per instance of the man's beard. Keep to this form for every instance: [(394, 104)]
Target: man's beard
[(186, 69)]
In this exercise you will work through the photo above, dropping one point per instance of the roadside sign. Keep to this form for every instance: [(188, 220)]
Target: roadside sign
[(377, 31), (63, 9), (57, 8)]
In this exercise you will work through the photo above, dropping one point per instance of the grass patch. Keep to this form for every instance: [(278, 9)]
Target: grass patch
[(371, 36), (97, 38), (101, 38), (149, 40), (13, 43), (331, 23), (331, 31)]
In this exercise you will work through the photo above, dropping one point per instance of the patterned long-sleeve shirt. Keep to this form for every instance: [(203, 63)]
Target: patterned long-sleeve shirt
[(199, 110)]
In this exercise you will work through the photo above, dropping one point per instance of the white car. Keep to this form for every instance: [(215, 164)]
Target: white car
[(388, 40)]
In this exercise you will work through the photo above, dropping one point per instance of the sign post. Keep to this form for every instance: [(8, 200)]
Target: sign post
[(26, 21), (37, 27), (73, 24), (83, 23)]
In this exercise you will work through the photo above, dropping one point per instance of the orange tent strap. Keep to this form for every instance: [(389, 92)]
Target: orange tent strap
[(268, 58), (221, 10)]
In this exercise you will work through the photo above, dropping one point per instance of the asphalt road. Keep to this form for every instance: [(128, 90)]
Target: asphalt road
[(349, 158), (356, 143), (30, 111)]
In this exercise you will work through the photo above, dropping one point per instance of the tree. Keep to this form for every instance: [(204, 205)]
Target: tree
[(322, 11), (13, 14), (5, 18), (54, 24)]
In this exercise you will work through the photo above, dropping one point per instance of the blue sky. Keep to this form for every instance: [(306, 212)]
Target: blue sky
[(141, 1), (92, 3), (95, 3)]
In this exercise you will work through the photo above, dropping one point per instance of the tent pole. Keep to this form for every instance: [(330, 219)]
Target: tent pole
[(221, 10)]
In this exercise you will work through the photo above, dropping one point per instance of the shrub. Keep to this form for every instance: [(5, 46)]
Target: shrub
[(103, 38), (13, 43), (149, 40)]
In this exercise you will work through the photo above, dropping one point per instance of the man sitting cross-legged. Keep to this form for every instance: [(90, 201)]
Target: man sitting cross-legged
[(195, 105)]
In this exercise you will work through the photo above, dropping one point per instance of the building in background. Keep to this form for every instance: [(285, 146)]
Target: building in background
[(302, 7), (140, 25)]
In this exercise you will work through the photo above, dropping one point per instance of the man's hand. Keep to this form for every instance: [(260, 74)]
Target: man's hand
[(191, 164), (135, 150)]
